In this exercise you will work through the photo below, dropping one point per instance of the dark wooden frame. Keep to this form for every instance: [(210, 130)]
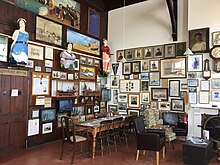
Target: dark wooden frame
[(153, 90), (139, 67), (123, 68), (182, 102)]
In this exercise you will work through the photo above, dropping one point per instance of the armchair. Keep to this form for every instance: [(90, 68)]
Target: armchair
[(149, 139)]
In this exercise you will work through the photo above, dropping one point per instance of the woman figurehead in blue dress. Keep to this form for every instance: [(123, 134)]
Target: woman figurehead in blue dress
[(19, 49)]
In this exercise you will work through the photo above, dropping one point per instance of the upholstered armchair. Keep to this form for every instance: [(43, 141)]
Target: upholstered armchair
[(149, 139)]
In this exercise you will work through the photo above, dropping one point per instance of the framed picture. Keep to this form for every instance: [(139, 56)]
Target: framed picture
[(114, 81), (106, 94), (96, 63), (184, 86), (173, 68), (138, 53), (63, 75), (59, 115), (3, 48), (215, 83), (54, 30), (76, 76), (192, 97), (131, 86), (191, 75), (47, 128), (154, 65), (216, 38), (126, 68), (93, 22), (145, 66), (115, 96), (122, 97), (144, 76), (49, 53), (199, 40), (159, 51), (87, 72), (48, 115), (180, 48), (195, 63), (153, 105), (82, 60), (144, 86), (136, 76), (177, 105), (154, 79), (120, 55), (174, 88), (90, 62), (112, 108), (40, 83), (159, 94), (76, 64), (49, 63), (122, 107), (133, 112), (215, 95), (192, 82), (145, 97), (136, 67), (204, 85), (102, 104), (134, 100), (30, 64), (192, 89), (89, 108), (129, 53), (35, 52), (35, 114), (126, 77), (148, 52), (170, 51), (83, 43), (70, 76), (56, 74), (164, 105), (203, 97)]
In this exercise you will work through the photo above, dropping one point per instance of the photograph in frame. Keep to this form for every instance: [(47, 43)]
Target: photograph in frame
[(133, 112), (203, 97), (159, 94), (114, 81), (215, 95), (49, 53), (144, 86), (47, 128), (148, 52), (87, 72), (192, 97), (164, 105), (144, 76), (131, 86), (122, 107), (154, 65), (205, 85), (145, 97), (129, 53), (76, 64), (195, 63), (35, 52), (90, 62), (215, 83), (138, 53), (120, 55), (180, 48), (136, 67), (126, 70), (133, 100), (177, 105), (170, 51), (93, 22), (154, 79), (192, 82), (115, 95), (216, 38), (49, 63), (159, 51), (112, 108), (30, 64), (122, 97), (174, 88), (82, 60), (3, 48), (153, 105), (145, 66), (96, 63)]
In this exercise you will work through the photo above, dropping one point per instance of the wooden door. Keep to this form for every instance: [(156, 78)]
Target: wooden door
[(13, 112)]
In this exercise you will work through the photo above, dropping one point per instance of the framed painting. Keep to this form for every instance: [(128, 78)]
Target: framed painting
[(164, 105), (153, 105), (120, 55), (144, 76), (136, 76), (126, 68), (173, 68), (138, 53), (129, 54), (145, 66), (159, 51), (87, 72), (76, 64), (174, 88), (35, 52), (160, 94), (177, 105), (83, 60), (83, 43), (203, 97), (148, 52), (54, 31), (3, 48), (131, 86), (154, 79), (170, 51), (112, 108), (133, 100), (106, 94), (49, 53), (96, 63), (136, 67), (199, 40), (30, 64), (93, 22), (192, 97), (180, 48), (204, 85), (195, 63)]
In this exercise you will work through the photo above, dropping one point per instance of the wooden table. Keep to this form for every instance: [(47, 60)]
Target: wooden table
[(93, 127)]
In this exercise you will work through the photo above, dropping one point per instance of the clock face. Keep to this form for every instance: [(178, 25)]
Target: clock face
[(215, 52)]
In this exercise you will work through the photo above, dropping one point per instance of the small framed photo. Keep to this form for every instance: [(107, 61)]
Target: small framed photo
[(138, 53), (192, 82), (48, 70), (122, 97), (120, 55), (180, 48), (203, 97), (96, 109), (89, 108), (129, 54), (115, 95), (102, 104), (195, 63), (136, 67), (96, 63), (164, 105), (35, 114), (184, 86), (191, 75), (148, 52), (47, 128), (136, 76), (126, 70), (144, 76), (49, 53), (133, 112), (215, 83), (134, 100), (90, 62), (114, 81), (153, 105), (159, 94), (126, 77), (76, 76), (70, 76), (205, 85), (192, 89), (35, 52), (177, 105), (76, 64), (49, 63), (192, 97), (170, 51), (3, 48), (215, 95), (112, 108), (30, 64), (174, 88), (37, 68), (145, 66), (199, 40), (144, 86), (56, 74), (154, 79), (82, 60), (145, 97), (122, 107), (159, 51), (154, 65), (63, 75), (216, 38)]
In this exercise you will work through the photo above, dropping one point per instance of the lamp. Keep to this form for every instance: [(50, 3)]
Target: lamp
[(188, 52)]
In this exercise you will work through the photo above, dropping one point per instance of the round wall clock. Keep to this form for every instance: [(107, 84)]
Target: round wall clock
[(215, 52)]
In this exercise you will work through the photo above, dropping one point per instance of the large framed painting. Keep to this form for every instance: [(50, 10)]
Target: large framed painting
[(83, 43), (48, 31), (93, 22), (3, 48), (65, 12), (87, 72)]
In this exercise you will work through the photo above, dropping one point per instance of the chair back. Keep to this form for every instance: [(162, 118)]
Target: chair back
[(170, 118), (117, 122), (68, 129), (105, 125), (139, 125)]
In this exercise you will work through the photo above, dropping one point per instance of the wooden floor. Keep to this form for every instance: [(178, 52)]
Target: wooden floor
[(48, 154)]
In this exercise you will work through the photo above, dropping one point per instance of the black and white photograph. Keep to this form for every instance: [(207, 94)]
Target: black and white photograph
[(114, 81), (47, 128)]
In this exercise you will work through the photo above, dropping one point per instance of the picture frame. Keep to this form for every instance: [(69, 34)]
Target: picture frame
[(90, 62), (145, 97), (40, 84), (82, 60), (112, 108), (129, 86), (47, 128), (191, 75), (164, 105), (56, 74), (48, 63), (126, 70), (102, 104), (136, 76), (48, 115), (199, 40), (76, 64), (144, 76), (145, 67), (35, 52), (203, 97), (154, 65), (55, 30), (115, 96), (122, 107), (159, 51), (180, 49), (122, 97), (177, 105), (133, 100), (35, 114), (106, 95), (174, 88), (216, 38), (48, 53), (78, 110), (63, 75), (173, 68), (195, 63), (126, 77), (215, 95), (59, 115), (205, 85), (215, 83), (144, 86), (138, 54), (3, 48), (159, 94), (154, 79), (87, 72), (192, 97), (184, 86), (30, 64), (120, 55), (148, 52), (96, 63), (89, 108), (153, 105), (93, 22), (70, 76), (133, 112), (170, 51), (129, 53), (136, 67), (114, 81), (192, 82)]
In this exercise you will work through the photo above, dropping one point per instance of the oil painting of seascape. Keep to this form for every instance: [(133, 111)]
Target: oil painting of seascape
[(83, 43), (66, 12)]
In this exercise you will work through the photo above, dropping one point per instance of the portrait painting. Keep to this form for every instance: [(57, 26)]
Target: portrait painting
[(180, 48), (170, 51), (145, 66), (129, 53), (120, 55), (134, 100), (199, 40), (195, 63), (216, 38), (138, 54), (148, 52), (159, 51)]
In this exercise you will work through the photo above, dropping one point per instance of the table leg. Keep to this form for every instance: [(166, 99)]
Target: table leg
[(93, 145)]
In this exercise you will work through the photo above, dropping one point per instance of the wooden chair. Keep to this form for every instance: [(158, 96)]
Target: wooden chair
[(71, 136)]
